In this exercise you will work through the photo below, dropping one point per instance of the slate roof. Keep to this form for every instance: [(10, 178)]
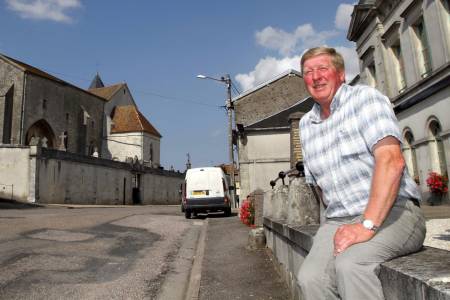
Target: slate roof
[(107, 92), (281, 119), (128, 118), (262, 85), (96, 82), (35, 71)]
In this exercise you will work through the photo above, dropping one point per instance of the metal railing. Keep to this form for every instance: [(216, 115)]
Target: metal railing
[(299, 168)]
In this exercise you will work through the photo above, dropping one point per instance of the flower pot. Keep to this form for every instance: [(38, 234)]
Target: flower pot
[(435, 199)]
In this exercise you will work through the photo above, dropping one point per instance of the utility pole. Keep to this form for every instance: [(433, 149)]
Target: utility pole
[(229, 106)]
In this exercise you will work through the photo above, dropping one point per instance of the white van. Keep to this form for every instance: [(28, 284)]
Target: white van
[(205, 189)]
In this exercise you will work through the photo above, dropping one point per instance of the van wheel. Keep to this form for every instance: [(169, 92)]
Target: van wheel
[(187, 213), (227, 211)]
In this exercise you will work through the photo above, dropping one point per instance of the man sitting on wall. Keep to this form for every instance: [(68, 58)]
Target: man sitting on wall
[(352, 154)]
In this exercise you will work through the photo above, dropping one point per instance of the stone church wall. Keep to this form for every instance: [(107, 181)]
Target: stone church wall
[(11, 76), (66, 109)]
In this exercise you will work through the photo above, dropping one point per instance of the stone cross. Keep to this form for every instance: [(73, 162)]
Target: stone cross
[(62, 145)]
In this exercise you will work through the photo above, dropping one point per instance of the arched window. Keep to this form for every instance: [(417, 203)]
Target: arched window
[(38, 131), (437, 153), (409, 152)]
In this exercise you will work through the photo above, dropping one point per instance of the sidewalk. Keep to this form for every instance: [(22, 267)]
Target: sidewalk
[(230, 271)]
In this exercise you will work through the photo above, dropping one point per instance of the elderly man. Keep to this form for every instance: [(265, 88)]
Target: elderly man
[(351, 147)]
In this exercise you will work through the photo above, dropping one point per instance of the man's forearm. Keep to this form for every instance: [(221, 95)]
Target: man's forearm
[(388, 171)]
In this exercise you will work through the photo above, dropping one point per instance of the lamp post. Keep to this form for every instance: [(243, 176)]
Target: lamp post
[(229, 106)]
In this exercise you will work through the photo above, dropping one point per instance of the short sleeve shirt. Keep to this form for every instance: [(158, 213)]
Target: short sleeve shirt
[(337, 151)]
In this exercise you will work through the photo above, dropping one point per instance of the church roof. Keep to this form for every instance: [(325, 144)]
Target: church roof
[(128, 118), (35, 71), (107, 92), (96, 82)]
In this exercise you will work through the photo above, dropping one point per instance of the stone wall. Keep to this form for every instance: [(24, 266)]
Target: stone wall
[(14, 173), (50, 176)]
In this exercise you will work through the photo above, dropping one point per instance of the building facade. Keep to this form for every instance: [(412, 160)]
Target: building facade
[(264, 139), (404, 51), (37, 108)]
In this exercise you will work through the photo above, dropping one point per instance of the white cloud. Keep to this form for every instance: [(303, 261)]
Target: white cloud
[(290, 46), (266, 69), (351, 61), (305, 36), (269, 67), (343, 16), (54, 10)]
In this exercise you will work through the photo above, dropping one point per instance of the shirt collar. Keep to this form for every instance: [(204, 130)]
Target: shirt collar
[(335, 104)]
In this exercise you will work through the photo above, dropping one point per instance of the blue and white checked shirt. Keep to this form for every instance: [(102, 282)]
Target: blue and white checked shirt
[(337, 151)]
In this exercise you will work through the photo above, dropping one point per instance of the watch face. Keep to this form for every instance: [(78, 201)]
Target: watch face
[(368, 224)]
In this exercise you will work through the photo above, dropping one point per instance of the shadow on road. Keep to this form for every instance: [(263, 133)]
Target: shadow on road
[(213, 215), (11, 204)]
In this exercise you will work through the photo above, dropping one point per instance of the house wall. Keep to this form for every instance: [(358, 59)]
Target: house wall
[(11, 76), (264, 154), (121, 97), (124, 145)]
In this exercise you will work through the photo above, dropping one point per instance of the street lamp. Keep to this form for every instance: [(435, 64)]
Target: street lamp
[(229, 106)]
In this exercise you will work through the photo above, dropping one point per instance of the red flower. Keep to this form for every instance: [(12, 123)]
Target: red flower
[(247, 213), (437, 183)]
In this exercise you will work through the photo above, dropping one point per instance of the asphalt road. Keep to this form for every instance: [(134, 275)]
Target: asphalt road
[(95, 252)]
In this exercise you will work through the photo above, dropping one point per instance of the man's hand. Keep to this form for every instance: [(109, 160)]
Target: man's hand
[(349, 234)]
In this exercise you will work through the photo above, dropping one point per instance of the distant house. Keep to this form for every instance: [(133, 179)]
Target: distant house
[(404, 51), (266, 136), (37, 108), (128, 134)]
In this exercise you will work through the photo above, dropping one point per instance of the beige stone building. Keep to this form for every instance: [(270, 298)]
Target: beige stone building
[(404, 51), (264, 117)]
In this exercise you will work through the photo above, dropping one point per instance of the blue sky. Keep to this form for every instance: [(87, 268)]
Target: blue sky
[(158, 48)]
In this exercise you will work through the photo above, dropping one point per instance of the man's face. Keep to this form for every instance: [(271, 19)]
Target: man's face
[(321, 78)]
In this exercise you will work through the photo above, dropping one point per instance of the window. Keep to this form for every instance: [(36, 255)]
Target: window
[(422, 48), (371, 74), (398, 65), (436, 146), (409, 152), (44, 104)]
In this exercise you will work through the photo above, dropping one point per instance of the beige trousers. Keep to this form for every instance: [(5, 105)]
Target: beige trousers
[(353, 274)]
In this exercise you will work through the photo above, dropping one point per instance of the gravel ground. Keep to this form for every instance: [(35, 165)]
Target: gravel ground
[(438, 234)]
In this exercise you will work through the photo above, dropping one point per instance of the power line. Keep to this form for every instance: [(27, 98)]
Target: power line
[(172, 98)]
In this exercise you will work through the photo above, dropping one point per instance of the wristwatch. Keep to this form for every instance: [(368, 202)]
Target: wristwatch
[(368, 224)]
